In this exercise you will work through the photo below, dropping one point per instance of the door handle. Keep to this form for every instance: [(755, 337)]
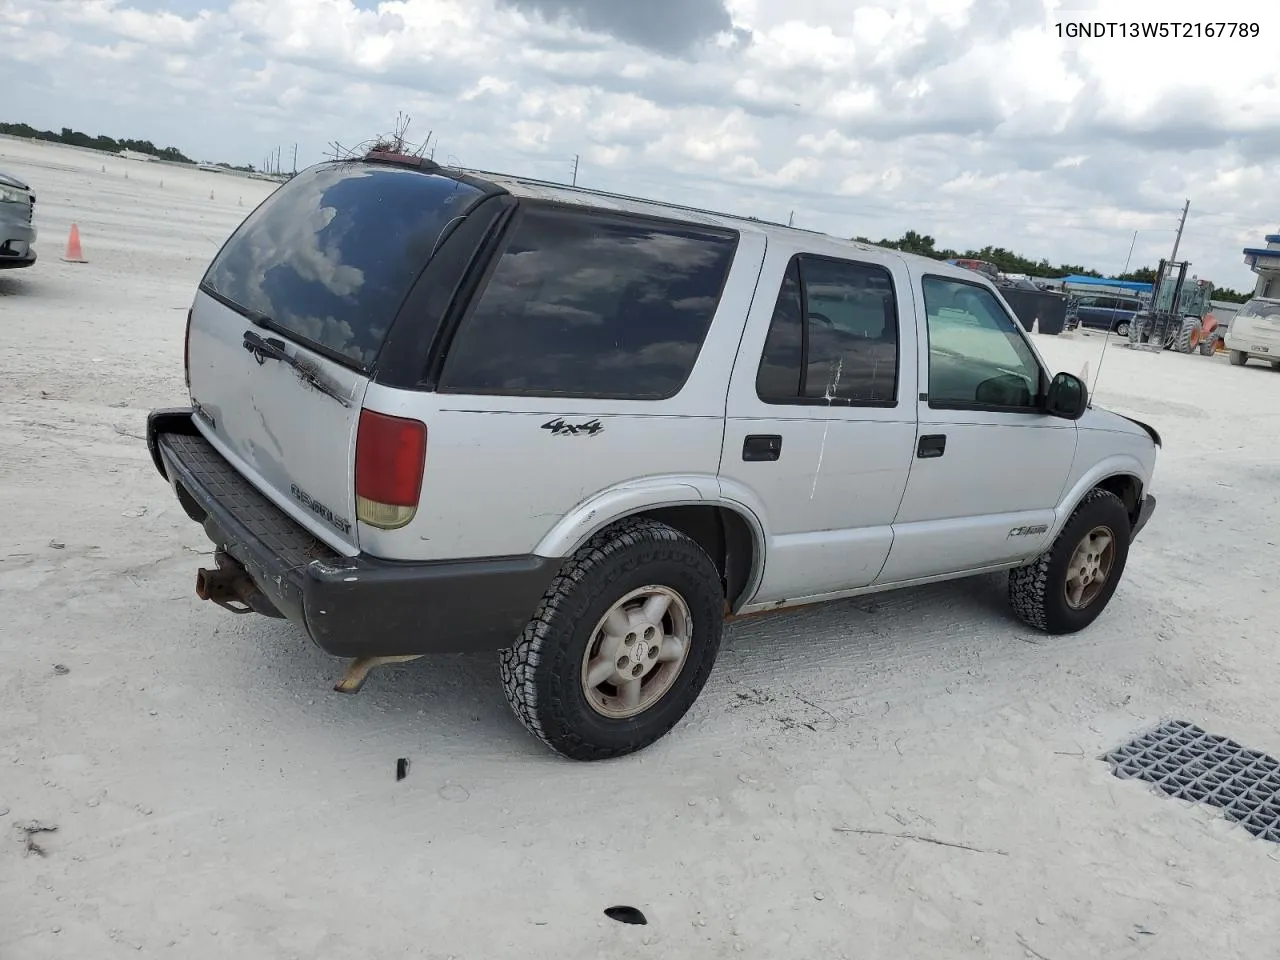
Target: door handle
[(933, 445), (761, 446)]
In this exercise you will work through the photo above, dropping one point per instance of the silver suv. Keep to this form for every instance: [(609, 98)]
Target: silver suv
[(17, 234), (436, 411)]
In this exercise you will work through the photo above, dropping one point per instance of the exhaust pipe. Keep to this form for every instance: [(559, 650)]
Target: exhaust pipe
[(229, 586)]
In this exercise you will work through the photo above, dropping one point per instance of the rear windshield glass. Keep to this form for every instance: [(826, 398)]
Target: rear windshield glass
[(329, 257), (1261, 308)]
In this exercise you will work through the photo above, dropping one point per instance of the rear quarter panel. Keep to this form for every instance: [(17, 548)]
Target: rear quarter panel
[(498, 478)]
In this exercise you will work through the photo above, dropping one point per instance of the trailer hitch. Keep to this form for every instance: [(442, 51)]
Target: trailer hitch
[(228, 585)]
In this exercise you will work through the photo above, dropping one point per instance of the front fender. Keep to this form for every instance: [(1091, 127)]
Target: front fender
[(1118, 465)]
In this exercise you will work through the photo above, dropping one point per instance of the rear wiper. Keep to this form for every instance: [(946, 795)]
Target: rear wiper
[(269, 347)]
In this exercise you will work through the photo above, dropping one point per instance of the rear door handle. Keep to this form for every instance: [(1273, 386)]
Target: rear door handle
[(933, 445), (761, 446)]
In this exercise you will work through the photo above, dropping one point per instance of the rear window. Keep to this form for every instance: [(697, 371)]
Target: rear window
[(1261, 309), (587, 304), (329, 256)]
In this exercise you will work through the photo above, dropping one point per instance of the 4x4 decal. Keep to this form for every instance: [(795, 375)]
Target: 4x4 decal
[(559, 428)]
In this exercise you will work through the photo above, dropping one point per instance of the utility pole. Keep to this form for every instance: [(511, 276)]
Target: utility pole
[(575, 169), (295, 158), (1182, 222)]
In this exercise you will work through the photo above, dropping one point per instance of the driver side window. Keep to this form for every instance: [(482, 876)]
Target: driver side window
[(978, 359)]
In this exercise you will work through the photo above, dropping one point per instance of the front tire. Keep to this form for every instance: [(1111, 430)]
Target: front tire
[(1238, 358), (621, 644), (1186, 340), (1067, 587)]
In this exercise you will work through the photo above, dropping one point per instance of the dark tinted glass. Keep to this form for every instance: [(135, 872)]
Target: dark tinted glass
[(779, 375), (331, 254), (589, 305), (850, 350), (853, 331)]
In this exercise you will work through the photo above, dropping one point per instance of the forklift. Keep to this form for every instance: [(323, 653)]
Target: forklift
[(1178, 316)]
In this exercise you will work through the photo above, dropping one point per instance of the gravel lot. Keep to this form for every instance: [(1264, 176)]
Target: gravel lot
[(213, 798)]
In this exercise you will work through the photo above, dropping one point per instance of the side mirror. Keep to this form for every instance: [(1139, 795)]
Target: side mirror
[(1068, 397)]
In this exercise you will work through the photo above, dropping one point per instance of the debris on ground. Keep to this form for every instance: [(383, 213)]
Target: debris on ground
[(626, 915), (30, 831)]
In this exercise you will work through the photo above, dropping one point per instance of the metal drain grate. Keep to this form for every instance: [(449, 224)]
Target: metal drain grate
[(1185, 762)]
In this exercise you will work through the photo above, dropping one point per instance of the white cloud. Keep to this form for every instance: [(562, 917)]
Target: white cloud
[(970, 120)]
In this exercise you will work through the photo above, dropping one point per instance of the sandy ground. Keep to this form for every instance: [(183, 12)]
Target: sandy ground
[(213, 798)]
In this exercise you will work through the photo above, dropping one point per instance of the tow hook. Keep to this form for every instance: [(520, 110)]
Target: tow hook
[(228, 585), (358, 671)]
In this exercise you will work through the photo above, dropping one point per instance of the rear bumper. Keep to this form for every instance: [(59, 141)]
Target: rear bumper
[(349, 606), (1263, 346), (1147, 508)]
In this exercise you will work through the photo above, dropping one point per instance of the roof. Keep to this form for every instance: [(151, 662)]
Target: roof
[(1272, 238), (813, 240), (1082, 281), (1259, 252)]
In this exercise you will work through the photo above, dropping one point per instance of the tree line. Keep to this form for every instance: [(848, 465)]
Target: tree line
[(1009, 262), (75, 138)]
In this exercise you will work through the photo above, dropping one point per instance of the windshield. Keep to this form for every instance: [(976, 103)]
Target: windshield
[(329, 257), (1266, 309)]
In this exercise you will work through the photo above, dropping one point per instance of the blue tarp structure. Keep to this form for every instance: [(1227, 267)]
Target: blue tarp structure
[(1133, 285)]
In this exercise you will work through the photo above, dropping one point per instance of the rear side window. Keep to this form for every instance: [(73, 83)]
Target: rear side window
[(586, 304), (833, 337), (328, 258)]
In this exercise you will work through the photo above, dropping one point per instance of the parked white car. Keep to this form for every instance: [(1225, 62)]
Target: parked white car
[(436, 411), (1254, 333)]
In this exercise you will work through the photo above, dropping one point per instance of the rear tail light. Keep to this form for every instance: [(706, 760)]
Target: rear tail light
[(391, 453), (186, 352)]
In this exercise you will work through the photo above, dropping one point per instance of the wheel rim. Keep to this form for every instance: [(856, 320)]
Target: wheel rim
[(1123, 329), (1090, 567), (636, 652)]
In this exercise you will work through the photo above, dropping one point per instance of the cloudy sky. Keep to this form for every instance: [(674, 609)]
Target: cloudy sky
[(970, 120)]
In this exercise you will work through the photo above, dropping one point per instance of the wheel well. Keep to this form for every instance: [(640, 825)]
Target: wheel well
[(724, 534), (1128, 489)]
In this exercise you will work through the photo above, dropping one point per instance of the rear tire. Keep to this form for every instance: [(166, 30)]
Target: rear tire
[(593, 618), (1043, 593), (1238, 358), (1122, 328), (1275, 364), (1208, 347)]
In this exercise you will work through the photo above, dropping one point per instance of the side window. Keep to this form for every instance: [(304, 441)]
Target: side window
[(833, 337), (977, 357), (592, 305)]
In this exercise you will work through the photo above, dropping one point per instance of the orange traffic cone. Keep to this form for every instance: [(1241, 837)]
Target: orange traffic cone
[(74, 254)]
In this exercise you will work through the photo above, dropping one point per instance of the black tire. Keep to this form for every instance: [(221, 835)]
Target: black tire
[(1122, 328), (1037, 592), (542, 672), (1183, 341), (1135, 330), (1208, 347), (1238, 358), (1275, 364)]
